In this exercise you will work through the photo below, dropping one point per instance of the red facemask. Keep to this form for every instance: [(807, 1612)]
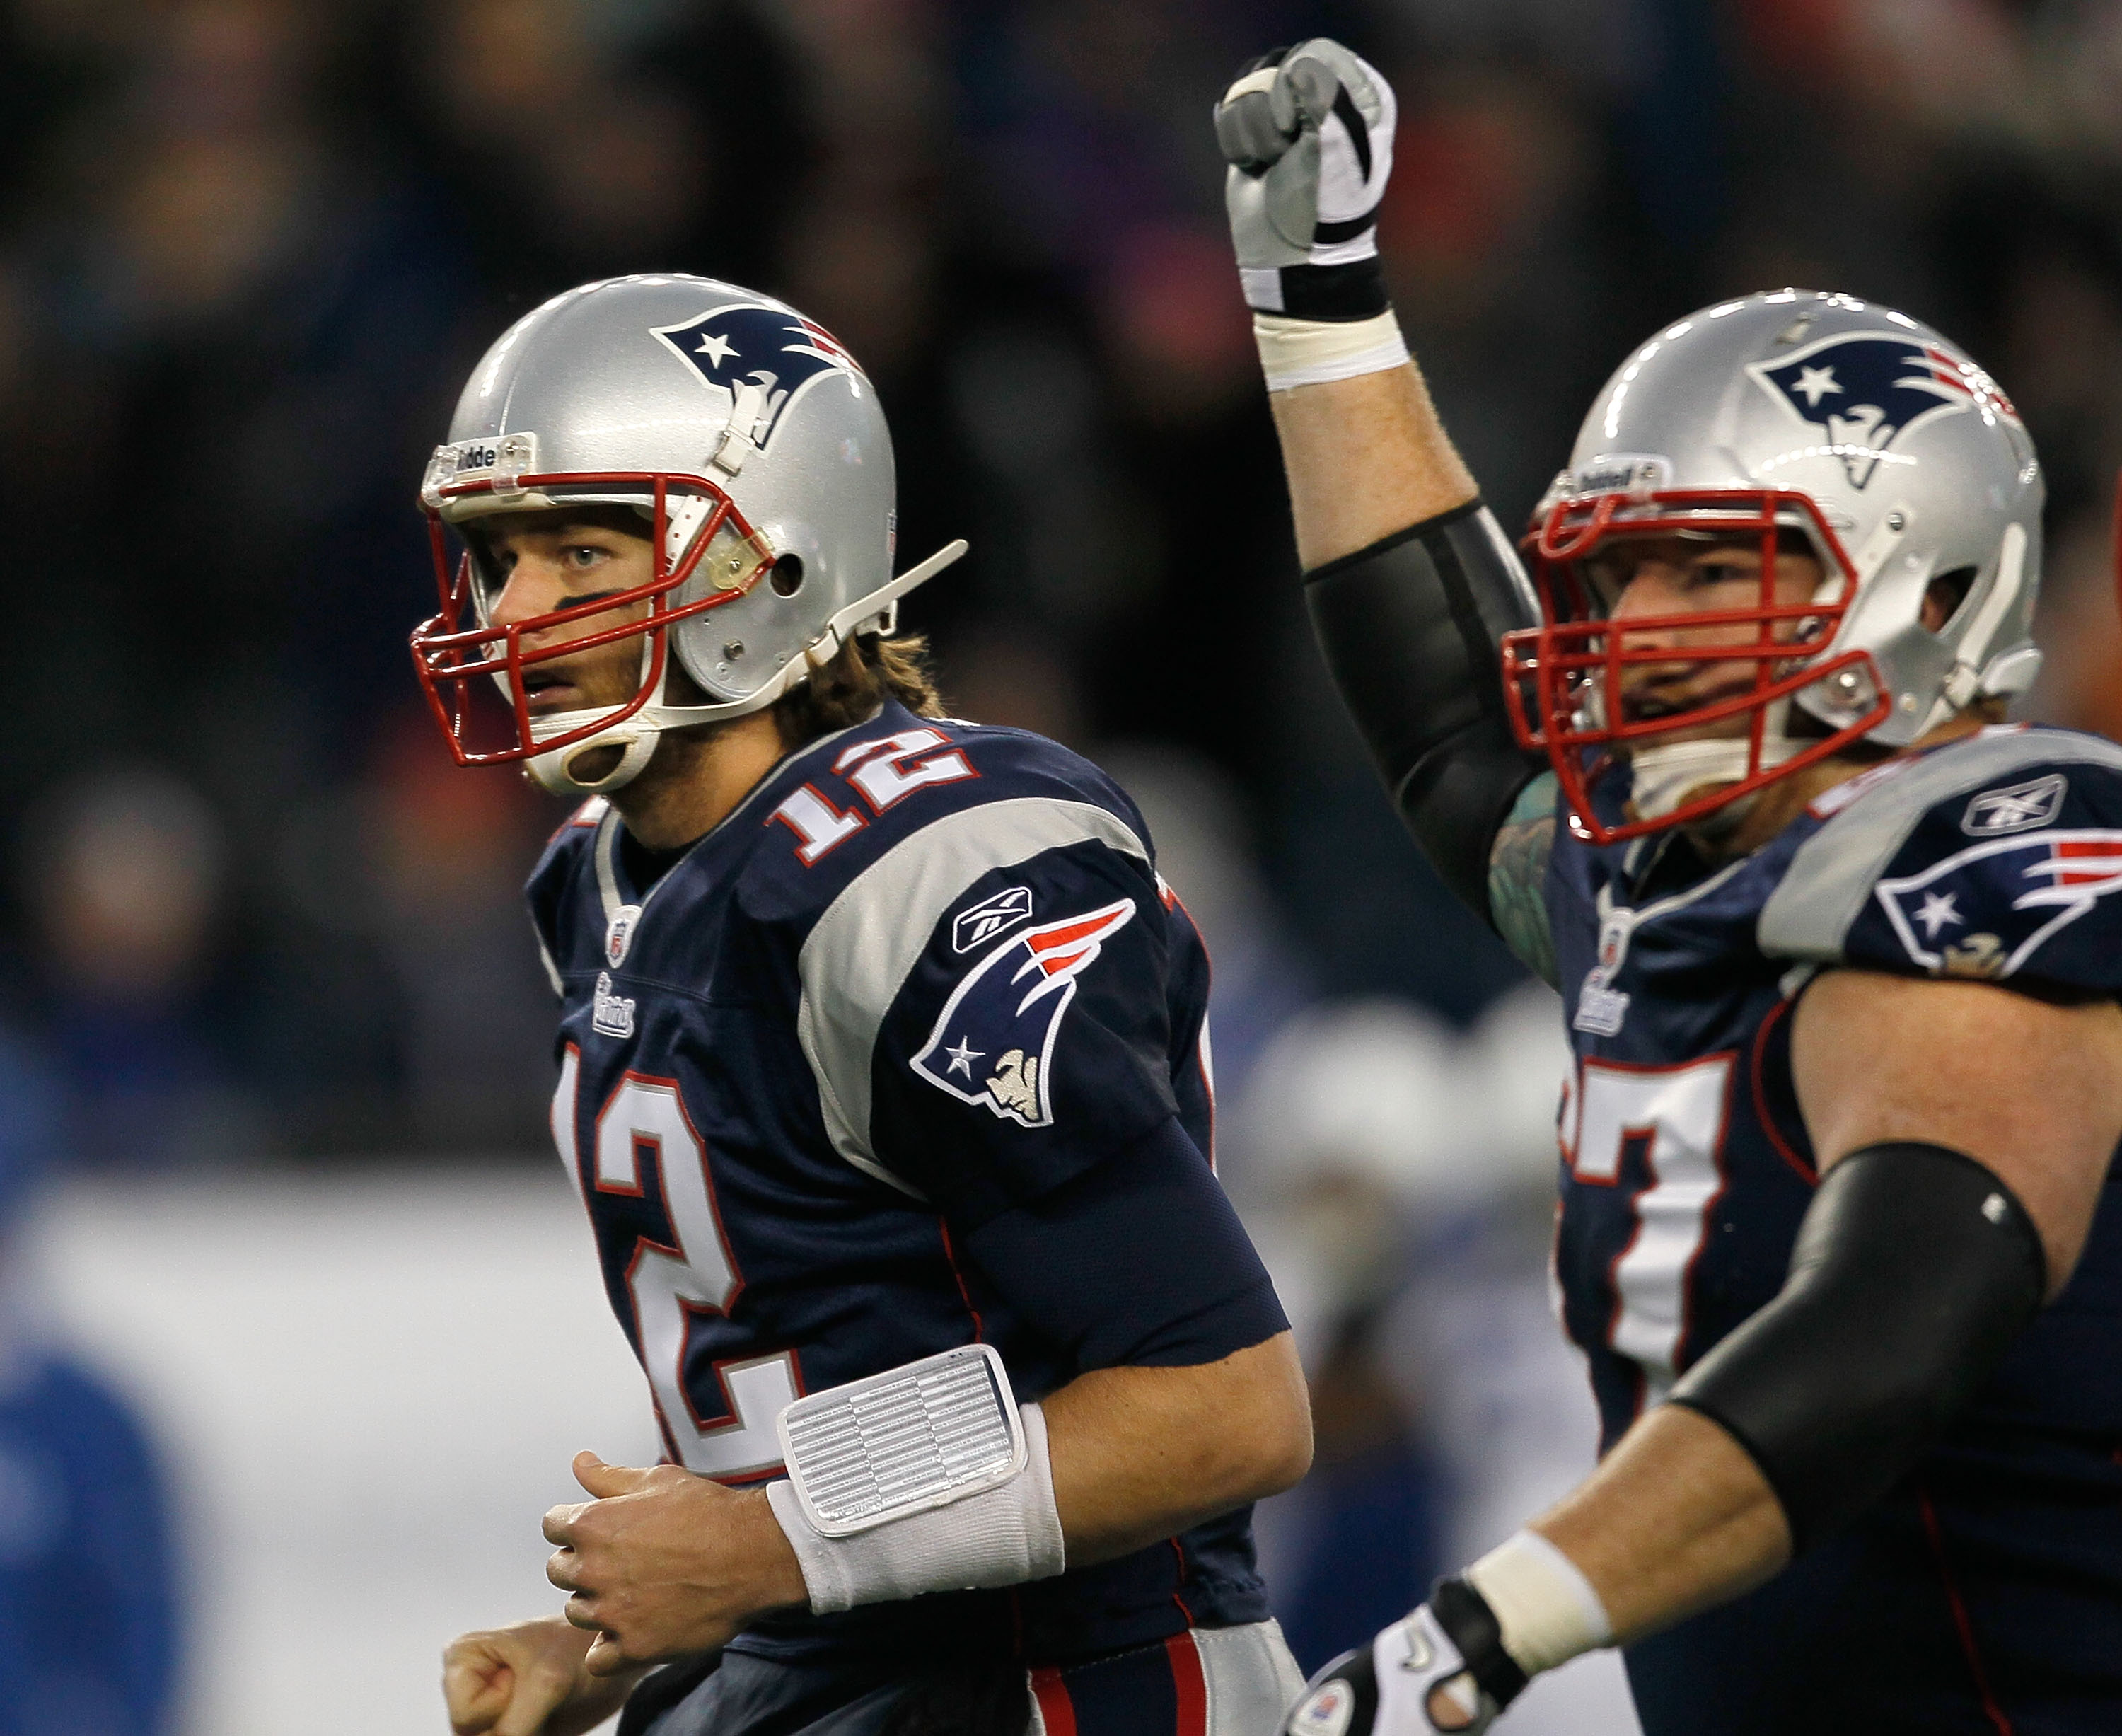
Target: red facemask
[(1564, 680), (462, 660)]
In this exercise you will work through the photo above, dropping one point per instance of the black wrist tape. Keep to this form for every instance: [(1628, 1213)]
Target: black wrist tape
[(1333, 293), (1915, 1269), (1464, 1613)]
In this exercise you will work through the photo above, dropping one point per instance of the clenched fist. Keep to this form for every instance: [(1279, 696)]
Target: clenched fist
[(527, 1680), (1308, 133)]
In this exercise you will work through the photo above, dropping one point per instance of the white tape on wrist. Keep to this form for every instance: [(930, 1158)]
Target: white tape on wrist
[(1546, 1607), (980, 1513), (1296, 352)]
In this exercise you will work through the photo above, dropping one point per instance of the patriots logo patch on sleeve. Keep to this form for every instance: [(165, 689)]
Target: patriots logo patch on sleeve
[(748, 344), (993, 1043), (1953, 922)]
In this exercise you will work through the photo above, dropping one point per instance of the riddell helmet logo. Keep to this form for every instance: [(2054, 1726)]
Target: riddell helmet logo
[(1621, 473), (744, 345), (1864, 390)]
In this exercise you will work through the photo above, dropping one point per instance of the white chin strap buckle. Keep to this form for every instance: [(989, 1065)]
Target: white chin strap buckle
[(924, 1436), (554, 770)]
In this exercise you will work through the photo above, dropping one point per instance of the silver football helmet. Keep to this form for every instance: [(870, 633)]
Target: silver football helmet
[(754, 448), (1867, 434)]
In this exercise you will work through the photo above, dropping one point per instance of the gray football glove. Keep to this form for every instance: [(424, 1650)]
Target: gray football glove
[(1385, 1688), (1308, 133)]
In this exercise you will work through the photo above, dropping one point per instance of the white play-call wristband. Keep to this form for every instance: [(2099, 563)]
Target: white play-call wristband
[(1002, 1534), (1296, 352), (1546, 1609)]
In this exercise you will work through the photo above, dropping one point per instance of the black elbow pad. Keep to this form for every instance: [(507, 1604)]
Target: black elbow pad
[(1412, 629), (1915, 1269)]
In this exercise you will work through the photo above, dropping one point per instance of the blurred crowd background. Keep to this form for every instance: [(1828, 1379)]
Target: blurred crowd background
[(249, 912)]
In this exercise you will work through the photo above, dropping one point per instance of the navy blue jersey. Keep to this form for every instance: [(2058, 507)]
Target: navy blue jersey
[(1991, 1582), (875, 1069)]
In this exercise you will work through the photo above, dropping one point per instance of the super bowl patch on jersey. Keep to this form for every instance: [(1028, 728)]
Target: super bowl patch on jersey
[(993, 1043), (1952, 922)]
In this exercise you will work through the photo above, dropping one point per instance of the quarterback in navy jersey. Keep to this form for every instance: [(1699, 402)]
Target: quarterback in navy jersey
[(883, 1072), (1839, 950)]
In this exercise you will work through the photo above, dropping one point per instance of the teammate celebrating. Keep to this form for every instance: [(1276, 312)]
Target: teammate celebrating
[(883, 1075), (1839, 953)]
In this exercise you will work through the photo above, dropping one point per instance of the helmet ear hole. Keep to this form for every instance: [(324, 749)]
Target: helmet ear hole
[(1943, 596), (788, 576)]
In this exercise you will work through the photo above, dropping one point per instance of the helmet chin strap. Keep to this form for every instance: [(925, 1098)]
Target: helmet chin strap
[(637, 735), (1664, 774), (554, 771)]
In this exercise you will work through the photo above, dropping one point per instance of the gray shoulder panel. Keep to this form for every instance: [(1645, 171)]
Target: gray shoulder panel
[(1832, 872), (859, 951)]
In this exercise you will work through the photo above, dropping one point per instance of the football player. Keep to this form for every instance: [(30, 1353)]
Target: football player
[(1839, 952), (883, 1074)]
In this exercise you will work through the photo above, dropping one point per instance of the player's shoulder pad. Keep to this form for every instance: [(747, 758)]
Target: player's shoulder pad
[(572, 837), (1033, 799), (1974, 860), (571, 851)]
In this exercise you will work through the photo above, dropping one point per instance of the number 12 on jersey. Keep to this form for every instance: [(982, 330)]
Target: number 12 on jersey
[(1675, 1116), (678, 1279)]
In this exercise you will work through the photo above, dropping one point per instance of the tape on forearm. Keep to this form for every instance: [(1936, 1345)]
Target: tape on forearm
[(1002, 1535), (1296, 352), (1546, 1608)]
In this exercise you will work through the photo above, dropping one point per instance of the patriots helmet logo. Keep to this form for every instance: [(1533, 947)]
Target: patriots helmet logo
[(1866, 390), (749, 344), (992, 1044)]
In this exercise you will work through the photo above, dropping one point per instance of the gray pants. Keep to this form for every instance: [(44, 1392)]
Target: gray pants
[(1211, 1682)]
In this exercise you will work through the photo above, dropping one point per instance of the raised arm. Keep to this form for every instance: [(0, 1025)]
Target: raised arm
[(1365, 458), (1409, 583)]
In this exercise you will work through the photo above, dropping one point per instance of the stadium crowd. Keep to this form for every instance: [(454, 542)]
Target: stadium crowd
[(249, 910), (246, 246)]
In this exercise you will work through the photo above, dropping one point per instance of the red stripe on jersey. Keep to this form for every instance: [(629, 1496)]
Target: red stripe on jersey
[(1191, 1685), (950, 1254), (1057, 1711), (1961, 1624), (2099, 854), (1067, 945)]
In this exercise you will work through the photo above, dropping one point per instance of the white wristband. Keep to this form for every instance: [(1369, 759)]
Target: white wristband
[(1001, 1536), (1546, 1607), (1296, 352)]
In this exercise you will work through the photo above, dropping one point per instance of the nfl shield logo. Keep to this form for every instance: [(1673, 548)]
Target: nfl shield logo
[(620, 934)]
